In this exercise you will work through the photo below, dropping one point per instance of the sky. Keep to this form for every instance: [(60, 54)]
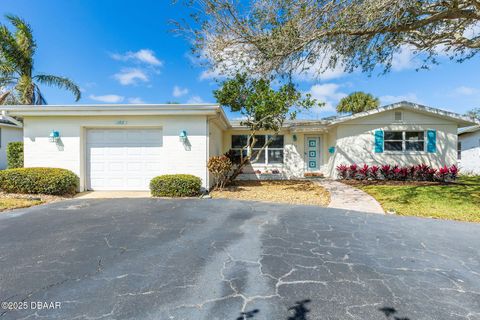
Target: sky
[(121, 51)]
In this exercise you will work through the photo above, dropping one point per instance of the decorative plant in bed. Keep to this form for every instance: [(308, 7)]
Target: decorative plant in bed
[(421, 174)]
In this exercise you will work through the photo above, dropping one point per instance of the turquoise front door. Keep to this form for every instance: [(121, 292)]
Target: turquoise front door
[(313, 154)]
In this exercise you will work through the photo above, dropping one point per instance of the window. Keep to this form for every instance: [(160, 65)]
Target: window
[(402, 141), (459, 150), (272, 154), (398, 116)]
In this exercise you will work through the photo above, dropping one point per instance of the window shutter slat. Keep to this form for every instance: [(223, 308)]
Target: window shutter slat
[(431, 141), (378, 141)]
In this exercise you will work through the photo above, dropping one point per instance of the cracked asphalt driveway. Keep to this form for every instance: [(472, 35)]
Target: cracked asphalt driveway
[(221, 259)]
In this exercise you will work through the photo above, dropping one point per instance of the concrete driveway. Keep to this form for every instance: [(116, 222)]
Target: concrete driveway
[(220, 259)]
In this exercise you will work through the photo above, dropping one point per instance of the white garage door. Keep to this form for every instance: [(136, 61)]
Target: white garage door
[(123, 159)]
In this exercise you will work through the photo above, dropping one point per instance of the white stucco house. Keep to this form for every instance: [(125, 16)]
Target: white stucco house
[(469, 149), (10, 131), (121, 147)]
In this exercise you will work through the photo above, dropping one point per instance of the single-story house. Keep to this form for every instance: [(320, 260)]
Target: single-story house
[(121, 147), (469, 149), (10, 131)]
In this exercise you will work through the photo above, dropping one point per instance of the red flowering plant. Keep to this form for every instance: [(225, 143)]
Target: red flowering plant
[(373, 172), (342, 171), (386, 172), (352, 171), (442, 174), (362, 173), (421, 172), (453, 172)]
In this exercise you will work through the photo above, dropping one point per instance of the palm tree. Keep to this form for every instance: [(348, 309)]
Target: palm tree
[(18, 84), (357, 102)]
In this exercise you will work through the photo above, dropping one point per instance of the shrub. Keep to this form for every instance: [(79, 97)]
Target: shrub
[(442, 174), (53, 181), (373, 172), (352, 171), (362, 173), (420, 172), (175, 185), (386, 172), (342, 171), (220, 167), (15, 155), (453, 172)]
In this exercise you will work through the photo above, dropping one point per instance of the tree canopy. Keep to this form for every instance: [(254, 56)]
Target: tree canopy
[(265, 37), (357, 102), (18, 83), (261, 107), (474, 114)]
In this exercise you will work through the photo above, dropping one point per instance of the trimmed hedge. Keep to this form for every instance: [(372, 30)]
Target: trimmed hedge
[(175, 185), (15, 155), (53, 181)]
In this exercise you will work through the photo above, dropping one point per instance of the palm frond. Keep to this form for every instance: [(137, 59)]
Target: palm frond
[(4, 96), (38, 97), (60, 82), (24, 39), (9, 50)]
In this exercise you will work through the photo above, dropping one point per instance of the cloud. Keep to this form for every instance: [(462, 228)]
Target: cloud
[(328, 93), (108, 98), (129, 76), (389, 99), (465, 91), (141, 56), (195, 100), (404, 59), (178, 92), (136, 100)]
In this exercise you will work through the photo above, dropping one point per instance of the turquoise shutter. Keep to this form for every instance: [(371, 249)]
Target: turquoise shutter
[(378, 141), (431, 141)]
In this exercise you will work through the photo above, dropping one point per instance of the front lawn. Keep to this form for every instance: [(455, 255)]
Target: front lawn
[(15, 203), (459, 201), (284, 191)]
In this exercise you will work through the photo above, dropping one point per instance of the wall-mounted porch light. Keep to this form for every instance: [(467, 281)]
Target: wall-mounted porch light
[(183, 136), (54, 136)]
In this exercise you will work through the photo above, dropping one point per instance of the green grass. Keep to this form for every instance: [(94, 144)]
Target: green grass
[(459, 201), (13, 203)]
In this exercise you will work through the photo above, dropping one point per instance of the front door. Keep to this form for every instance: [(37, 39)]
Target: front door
[(313, 153)]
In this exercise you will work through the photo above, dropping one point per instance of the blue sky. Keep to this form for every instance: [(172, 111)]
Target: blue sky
[(122, 51)]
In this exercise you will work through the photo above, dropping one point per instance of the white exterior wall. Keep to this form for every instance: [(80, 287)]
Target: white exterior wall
[(294, 152), (470, 162), (9, 134), (69, 152), (355, 141)]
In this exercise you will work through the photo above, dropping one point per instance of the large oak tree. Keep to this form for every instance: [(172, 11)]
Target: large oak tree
[(279, 37)]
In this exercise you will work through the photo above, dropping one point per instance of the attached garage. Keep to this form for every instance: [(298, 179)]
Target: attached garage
[(123, 159), (122, 147)]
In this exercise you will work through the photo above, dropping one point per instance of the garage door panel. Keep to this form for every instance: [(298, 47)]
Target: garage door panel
[(123, 159)]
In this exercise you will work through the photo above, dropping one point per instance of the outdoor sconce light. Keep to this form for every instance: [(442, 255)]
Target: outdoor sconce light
[(183, 136), (294, 137), (54, 136)]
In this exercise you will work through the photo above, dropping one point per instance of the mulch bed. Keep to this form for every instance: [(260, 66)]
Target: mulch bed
[(396, 183), (282, 191)]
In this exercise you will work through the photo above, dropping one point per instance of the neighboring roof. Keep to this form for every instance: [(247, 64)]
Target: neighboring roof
[(462, 121), (469, 129), (7, 123), (115, 109)]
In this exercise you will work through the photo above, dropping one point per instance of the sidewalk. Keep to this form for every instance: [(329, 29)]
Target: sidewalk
[(343, 196)]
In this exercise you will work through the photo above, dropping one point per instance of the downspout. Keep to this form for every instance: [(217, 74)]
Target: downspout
[(11, 119)]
